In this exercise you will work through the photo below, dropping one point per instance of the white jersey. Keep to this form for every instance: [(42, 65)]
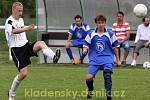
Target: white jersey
[(15, 40), (143, 33)]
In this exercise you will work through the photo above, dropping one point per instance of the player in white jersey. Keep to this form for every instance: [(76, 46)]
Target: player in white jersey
[(100, 45), (21, 49)]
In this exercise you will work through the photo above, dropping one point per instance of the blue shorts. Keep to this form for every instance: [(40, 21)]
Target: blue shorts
[(93, 69), (77, 42)]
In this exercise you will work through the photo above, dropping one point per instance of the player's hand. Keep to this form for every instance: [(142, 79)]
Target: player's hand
[(85, 50), (29, 27)]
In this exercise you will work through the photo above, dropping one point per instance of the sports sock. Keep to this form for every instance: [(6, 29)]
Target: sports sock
[(89, 84), (82, 57), (49, 53), (69, 52), (15, 84), (107, 82)]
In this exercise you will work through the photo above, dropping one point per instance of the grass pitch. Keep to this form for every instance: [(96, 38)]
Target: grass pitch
[(67, 82)]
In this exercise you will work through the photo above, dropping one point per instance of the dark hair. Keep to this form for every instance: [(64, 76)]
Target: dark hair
[(143, 19), (120, 12), (77, 16), (100, 18)]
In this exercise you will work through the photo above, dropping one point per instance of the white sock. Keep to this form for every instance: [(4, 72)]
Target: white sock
[(49, 53), (15, 84)]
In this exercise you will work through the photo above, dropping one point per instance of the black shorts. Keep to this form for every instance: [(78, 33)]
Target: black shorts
[(21, 55)]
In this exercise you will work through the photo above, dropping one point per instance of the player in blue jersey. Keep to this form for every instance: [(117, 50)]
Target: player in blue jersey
[(100, 45), (78, 31)]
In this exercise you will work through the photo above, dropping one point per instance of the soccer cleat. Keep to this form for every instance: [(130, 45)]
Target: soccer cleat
[(57, 55), (89, 95), (109, 98), (77, 62), (72, 62), (11, 95), (133, 63)]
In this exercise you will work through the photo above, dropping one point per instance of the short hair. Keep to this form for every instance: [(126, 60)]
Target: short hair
[(17, 4), (77, 16), (120, 12), (100, 18), (143, 19)]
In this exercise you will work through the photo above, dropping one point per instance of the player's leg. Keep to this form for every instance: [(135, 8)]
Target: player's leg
[(92, 71), (40, 45), (126, 47), (107, 73), (82, 55), (16, 82), (69, 52), (89, 83)]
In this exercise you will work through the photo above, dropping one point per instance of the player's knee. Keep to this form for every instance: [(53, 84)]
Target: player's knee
[(68, 45), (23, 74), (41, 44), (89, 77)]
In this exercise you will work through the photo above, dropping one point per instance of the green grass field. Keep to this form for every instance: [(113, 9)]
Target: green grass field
[(67, 82)]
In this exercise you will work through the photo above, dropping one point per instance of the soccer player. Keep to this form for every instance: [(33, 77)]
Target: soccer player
[(142, 38), (21, 49), (78, 31), (122, 31), (100, 45)]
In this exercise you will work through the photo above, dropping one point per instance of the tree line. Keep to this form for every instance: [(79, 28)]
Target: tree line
[(29, 8)]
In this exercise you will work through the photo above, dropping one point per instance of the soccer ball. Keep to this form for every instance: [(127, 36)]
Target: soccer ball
[(140, 10), (146, 64)]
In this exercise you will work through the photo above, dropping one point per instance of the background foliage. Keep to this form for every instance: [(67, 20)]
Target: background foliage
[(29, 8)]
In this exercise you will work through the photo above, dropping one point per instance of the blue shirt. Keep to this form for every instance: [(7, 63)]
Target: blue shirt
[(79, 32), (101, 47)]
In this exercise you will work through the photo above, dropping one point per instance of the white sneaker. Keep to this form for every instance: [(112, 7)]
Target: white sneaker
[(11, 95), (133, 63)]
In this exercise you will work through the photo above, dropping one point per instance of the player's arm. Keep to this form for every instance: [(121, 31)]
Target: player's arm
[(85, 50), (69, 37), (86, 44), (23, 29)]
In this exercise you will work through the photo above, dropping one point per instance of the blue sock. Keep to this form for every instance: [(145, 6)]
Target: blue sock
[(108, 82), (89, 84), (82, 57), (69, 52)]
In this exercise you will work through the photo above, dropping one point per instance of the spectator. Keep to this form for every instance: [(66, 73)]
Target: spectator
[(122, 31), (142, 38)]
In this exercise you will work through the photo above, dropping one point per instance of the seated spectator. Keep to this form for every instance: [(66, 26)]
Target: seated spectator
[(122, 31), (142, 38), (78, 31)]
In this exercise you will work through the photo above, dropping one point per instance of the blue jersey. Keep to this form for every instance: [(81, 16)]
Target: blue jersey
[(79, 32), (101, 47)]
